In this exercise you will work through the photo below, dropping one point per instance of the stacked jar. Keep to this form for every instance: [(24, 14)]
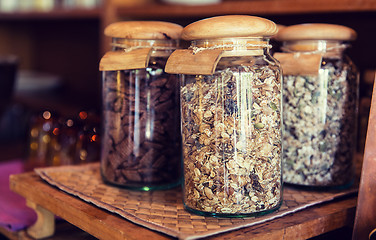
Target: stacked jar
[(231, 117), (320, 86), (141, 140)]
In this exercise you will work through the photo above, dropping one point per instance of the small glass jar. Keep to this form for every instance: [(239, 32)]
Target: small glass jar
[(231, 117), (141, 139), (320, 105)]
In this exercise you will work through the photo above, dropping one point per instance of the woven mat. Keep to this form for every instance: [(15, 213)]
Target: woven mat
[(163, 211)]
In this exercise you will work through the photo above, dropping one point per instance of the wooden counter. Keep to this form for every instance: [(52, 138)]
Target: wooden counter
[(303, 224)]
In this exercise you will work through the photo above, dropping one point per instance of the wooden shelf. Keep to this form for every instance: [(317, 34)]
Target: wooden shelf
[(52, 14), (102, 224), (260, 7)]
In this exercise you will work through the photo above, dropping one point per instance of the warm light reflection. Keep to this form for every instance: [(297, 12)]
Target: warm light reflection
[(56, 131), (55, 161), (93, 138), (83, 155), (70, 122), (46, 139), (46, 115), (34, 132), (82, 115), (34, 146)]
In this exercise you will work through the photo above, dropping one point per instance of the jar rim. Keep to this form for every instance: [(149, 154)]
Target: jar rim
[(314, 45), (231, 44), (156, 44)]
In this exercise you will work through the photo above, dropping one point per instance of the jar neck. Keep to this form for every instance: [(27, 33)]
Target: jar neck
[(233, 46), (159, 47), (328, 48)]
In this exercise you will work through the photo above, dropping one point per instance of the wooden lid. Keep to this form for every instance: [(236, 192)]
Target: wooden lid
[(316, 31), (280, 27), (228, 27), (144, 30)]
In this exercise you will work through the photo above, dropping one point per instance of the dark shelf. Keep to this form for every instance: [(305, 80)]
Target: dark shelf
[(261, 7), (52, 14)]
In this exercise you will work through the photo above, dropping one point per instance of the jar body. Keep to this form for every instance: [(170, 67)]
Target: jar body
[(231, 131), (320, 123), (141, 143)]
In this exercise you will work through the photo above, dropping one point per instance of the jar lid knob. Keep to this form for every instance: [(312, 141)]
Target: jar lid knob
[(229, 26), (316, 31), (144, 30)]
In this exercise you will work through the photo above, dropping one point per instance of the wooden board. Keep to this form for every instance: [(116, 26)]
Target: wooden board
[(365, 220), (104, 225)]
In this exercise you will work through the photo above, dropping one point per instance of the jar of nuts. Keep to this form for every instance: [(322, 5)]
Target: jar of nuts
[(320, 89), (141, 142), (231, 117)]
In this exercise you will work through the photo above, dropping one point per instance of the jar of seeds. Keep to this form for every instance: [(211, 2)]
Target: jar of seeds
[(141, 142), (320, 85), (231, 117)]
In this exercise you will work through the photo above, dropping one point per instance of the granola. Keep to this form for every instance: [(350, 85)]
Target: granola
[(231, 129), (141, 132), (320, 126)]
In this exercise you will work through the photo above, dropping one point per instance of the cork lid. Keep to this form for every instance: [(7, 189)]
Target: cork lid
[(229, 26), (144, 30), (316, 31)]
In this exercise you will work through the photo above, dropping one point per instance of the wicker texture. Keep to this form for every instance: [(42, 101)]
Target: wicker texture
[(163, 211)]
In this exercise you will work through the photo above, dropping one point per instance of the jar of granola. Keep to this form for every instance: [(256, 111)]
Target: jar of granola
[(141, 142), (231, 117), (320, 89)]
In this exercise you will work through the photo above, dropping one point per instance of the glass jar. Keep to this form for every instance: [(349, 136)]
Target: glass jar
[(231, 117), (320, 105), (141, 139)]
